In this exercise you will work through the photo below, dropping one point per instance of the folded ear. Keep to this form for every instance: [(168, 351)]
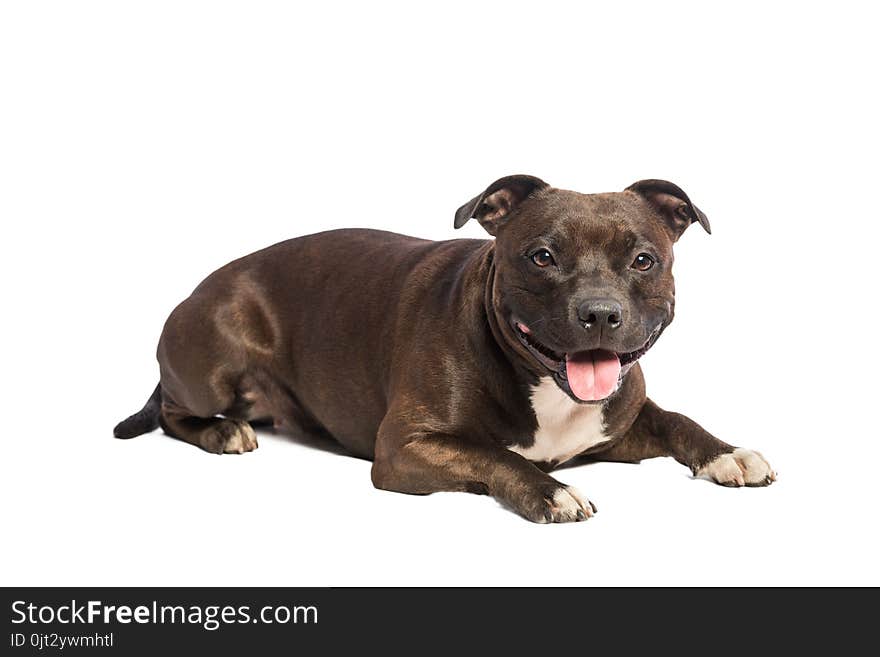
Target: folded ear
[(498, 200), (672, 203)]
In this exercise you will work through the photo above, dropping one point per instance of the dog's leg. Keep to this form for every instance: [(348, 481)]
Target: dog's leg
[(430, 463), (203, 355), (660, 433), (214, 434)]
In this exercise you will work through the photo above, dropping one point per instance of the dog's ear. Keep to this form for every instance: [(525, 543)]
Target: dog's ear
[(500, 199), (672, 203)]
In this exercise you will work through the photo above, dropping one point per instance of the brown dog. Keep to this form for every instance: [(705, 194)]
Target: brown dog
[(464, 365)]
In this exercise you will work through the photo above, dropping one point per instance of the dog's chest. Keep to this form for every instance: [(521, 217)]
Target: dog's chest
[(565, 428)]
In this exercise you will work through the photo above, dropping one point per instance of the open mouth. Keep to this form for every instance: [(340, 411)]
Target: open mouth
[(587, 376)]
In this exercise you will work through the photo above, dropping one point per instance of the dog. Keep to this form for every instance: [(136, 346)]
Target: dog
[(461, 365)]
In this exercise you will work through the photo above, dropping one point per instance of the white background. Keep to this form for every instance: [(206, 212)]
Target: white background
[(146, 144)]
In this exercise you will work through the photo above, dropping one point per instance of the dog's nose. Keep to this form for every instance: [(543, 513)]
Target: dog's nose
[(604, 313)]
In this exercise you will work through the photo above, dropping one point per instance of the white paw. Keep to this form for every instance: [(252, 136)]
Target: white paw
[(742, 467), (569, 504), (242, 439)]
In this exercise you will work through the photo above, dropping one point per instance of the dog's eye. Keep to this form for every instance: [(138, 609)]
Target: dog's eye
[(543, 258), (643, 262)]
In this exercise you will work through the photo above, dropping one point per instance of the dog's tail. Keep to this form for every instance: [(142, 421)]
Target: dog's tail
[(144, 420)]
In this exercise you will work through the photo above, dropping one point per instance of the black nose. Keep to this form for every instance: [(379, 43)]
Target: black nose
[(603, 313)]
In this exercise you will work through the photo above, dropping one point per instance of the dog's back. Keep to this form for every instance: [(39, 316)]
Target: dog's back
[(299, 333)]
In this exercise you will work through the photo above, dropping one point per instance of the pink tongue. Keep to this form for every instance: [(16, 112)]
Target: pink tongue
[(592, 375)]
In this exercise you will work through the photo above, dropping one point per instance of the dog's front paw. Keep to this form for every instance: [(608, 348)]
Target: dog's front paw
[(559, 504), (742, 467)]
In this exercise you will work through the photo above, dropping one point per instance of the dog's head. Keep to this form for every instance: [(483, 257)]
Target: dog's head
[(583, 282)]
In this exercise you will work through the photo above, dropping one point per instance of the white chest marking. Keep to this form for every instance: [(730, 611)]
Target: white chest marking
[(565, 428)]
